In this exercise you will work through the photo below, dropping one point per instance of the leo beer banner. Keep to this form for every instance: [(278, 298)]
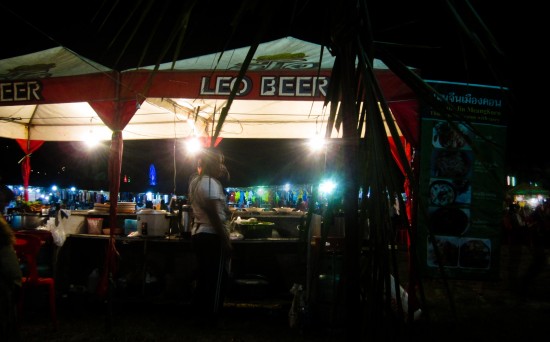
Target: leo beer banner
[(462, 181)]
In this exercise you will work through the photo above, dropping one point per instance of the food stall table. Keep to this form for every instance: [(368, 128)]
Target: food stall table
[(159, 266)]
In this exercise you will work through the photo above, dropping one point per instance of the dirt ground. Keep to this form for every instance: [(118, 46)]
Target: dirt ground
[(485, 311)]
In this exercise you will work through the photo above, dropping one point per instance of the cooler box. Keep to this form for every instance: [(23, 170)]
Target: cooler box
[(158, 223)]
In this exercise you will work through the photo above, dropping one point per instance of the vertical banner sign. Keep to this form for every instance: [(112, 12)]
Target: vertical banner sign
[(152, 175), (462, 181)]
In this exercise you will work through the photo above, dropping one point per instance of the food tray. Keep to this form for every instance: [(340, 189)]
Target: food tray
[(256, 230)]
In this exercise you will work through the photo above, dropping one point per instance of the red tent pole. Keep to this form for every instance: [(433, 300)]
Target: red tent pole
[(28, 146)]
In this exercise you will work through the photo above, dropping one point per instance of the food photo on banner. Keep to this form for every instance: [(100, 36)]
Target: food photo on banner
[(462, 181)]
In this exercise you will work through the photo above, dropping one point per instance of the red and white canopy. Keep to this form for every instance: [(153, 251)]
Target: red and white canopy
[(58, 95)]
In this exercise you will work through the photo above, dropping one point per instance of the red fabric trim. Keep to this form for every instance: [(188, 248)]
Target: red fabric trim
[(169, 84), (206, 141), (79, 88), (115, 115), (28, 147), (406, 116)]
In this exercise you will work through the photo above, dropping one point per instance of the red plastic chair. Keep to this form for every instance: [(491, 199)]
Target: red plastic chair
[(27, 247)]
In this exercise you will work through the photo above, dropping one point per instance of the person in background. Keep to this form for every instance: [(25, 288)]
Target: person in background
[(10, 274), (300, 205), (163, 205), (536, 228), (210, 238), (516, 237), (173, 205)]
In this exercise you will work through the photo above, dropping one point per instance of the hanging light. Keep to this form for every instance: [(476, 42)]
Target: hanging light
[(90, 139), (316, 143), (193, 145)]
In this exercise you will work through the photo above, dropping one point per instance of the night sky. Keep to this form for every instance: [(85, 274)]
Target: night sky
[(250, 162), (422, 31)]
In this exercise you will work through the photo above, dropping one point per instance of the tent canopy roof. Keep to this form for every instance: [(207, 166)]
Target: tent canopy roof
[(57, 95), (527, 189)]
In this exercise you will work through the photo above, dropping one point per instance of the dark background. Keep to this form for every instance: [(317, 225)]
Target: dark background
[(422, 35), (251, 162)]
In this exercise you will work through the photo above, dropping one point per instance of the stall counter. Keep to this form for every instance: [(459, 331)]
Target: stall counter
[(164, 267)]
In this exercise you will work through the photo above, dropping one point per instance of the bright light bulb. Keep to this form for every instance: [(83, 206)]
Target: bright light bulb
[(316, 143), (327, 187), (90, 140), (193, 145)]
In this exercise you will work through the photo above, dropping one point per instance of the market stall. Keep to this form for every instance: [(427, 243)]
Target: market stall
[(57, 95), (281, 95), (527, 194)]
